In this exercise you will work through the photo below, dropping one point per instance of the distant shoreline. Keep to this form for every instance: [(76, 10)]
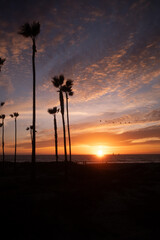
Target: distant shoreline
[(89, 159)]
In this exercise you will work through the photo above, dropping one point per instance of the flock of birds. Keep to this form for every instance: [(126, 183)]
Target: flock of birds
[(101, 121)]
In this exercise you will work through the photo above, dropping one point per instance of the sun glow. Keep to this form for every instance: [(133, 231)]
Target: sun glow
[(100, 153)]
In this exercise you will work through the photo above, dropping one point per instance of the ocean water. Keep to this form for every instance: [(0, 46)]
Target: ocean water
[(87, 159)]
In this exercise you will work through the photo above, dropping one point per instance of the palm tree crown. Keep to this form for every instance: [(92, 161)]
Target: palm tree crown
[(2, 116), (67, 88), (30, 30), (58, 81), (30, 127), (15, 114), (53, 110)]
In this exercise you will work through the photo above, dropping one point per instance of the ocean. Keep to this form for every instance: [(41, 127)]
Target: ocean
[(87, 159)]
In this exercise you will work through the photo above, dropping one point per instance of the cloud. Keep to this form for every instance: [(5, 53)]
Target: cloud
[(144, 140), (138, 117), (112, 139), (116, 123)]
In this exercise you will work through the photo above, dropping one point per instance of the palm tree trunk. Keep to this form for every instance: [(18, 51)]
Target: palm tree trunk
[(56, 140), (64, 136), (65, 150), (69, 138), (15, 153), (31, 135), (3, 142), (63, 122), (64, 131), (34, 113)]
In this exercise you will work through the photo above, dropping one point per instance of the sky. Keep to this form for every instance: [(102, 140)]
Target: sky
[(110, 49)]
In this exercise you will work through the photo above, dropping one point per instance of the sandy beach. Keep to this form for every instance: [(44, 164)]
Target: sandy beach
[(105, 201)]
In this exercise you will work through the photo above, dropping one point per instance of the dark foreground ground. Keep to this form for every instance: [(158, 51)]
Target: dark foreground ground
[(110, 201)]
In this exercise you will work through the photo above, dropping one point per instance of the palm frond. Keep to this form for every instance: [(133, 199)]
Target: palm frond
[(25, 30), (67, 88), (30, 30), (1, 124), (64, 88), (3, 116), (56, 82), (50, 110), (71, 93), (61, 79), (27, 128), (35, 28), (53, 110), (16, 114), (69, 83), (11, 115)]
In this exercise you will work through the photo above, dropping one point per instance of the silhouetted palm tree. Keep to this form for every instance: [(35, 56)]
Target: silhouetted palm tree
[(67, 88), (53, 111), (58, 82), (3, 117), (2, 60), (31, 132), (15, 115), (32, 31)]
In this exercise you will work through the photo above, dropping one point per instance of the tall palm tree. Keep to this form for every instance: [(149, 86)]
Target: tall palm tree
[(2, 60), (3, 117), (15, 115), (58, 82), (32, 31), (53, 111), (67, 89)]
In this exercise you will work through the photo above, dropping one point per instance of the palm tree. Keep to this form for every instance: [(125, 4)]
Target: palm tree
[(2, 60), (32, 31), (58, 82), (67, 89), (15, 115), (31, 132), (2, 125), (53, 111)]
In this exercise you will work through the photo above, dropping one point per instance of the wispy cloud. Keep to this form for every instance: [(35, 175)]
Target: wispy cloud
[(144, 140)]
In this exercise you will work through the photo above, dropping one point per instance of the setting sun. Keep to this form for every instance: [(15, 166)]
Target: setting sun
[(100, 153)]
